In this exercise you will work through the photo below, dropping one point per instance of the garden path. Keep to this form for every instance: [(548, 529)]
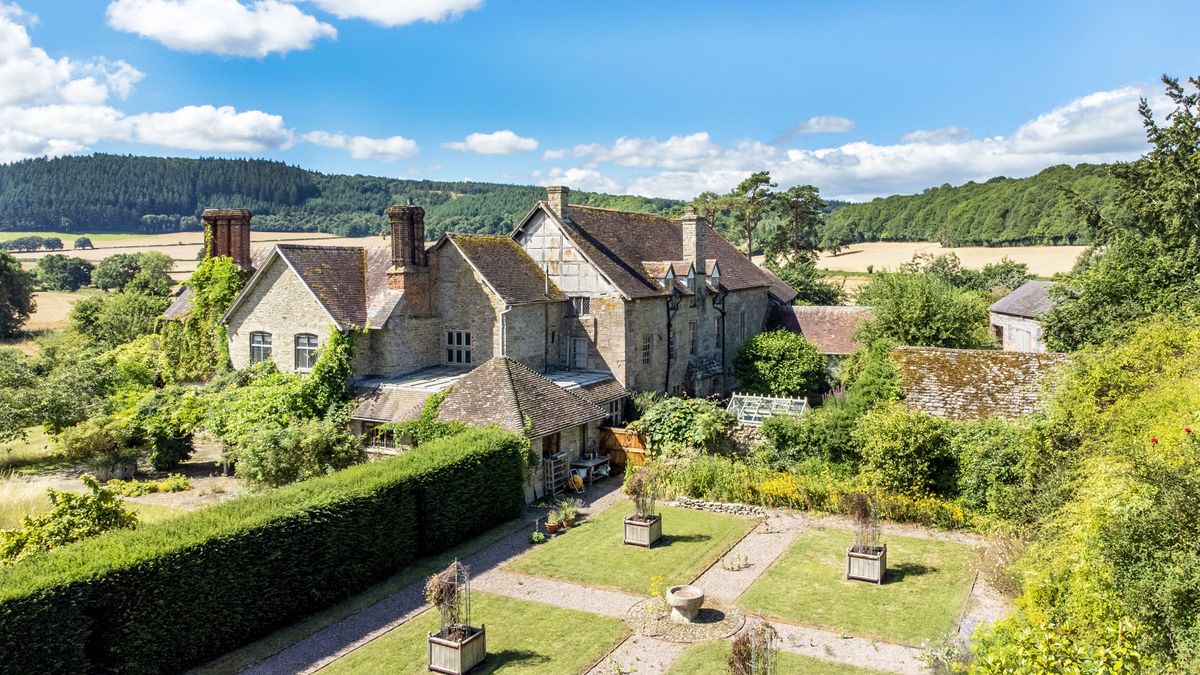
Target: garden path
[(760, 548)]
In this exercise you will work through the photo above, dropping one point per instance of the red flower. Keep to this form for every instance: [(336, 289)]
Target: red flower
[(1153, 440), (1187, 430)]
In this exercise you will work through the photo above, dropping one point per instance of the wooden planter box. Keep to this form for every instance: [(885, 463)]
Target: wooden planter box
[(867, 566), (643, 532), (455, 657)]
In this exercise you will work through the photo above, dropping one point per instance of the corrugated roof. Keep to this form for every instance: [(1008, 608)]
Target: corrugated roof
[(507, 268), (621, 242), (973, 383), (508, 394), (830, 328), (1030, 300)]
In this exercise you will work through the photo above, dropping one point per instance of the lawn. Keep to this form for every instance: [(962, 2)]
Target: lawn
[(592, 553), (20, 497), (522, 637), (33, 453), (712, 657), (926, 586)]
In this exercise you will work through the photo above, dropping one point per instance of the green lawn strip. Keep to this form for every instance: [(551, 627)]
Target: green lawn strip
[(712, 657), (153, 513), (926, 587), (592, 552), (254, 652), (522, 637)]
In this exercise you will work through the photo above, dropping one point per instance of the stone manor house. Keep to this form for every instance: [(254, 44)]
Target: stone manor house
[(543, 332)]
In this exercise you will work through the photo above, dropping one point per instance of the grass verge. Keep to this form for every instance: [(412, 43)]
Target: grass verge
[(254, 652), (926, 586), (35, 452), (522, 637), (713, 657), (592, 552)]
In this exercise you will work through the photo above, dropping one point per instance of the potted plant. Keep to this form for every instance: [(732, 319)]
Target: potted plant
[(644, 527), (552, 522), (458, 646), (570, 511), (866, 560)]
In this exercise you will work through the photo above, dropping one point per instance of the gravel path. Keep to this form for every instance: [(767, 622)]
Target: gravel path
[(640, 654), (557, 593), (855, 651), (757, 551)]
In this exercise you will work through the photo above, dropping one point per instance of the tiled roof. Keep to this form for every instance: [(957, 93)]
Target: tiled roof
[(337, 275), (621, 242), (830, 328), (505, 393), (602, 392), (386, 404), (1030, 299), (973, 383), (507, 268)]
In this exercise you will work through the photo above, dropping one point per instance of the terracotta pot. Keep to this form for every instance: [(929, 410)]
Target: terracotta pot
[(551, 528), (569, 522)]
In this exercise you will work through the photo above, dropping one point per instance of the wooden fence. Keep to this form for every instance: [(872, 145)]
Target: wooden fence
[(623, 446)]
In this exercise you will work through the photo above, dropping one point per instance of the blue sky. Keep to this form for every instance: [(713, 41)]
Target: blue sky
[(660, 98)]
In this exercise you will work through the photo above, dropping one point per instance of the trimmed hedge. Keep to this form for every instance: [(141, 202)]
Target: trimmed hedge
[(166, 597)]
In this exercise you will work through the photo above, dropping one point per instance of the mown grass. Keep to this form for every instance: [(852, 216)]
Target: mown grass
[(712, 657), (254, 652), (20, 497), (593, 552), (522, 637), (923, 593), (34, 452)]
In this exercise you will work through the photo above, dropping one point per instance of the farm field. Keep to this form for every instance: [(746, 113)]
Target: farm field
[(1044, 261)]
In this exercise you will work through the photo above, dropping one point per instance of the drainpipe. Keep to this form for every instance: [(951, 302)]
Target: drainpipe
[(504, 329), (672, 307), (719, 305)]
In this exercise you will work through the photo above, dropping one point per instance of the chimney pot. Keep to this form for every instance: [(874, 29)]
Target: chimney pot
[(227, 233)]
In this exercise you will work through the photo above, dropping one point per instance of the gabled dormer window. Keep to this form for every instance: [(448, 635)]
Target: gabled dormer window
[(691, 284), (669, 279), (715, 275)]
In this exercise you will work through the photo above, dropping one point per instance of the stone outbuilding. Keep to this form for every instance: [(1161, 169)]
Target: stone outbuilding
[(973, 383)]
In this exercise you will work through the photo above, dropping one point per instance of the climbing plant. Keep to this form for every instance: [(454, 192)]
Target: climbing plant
[(195, 345)]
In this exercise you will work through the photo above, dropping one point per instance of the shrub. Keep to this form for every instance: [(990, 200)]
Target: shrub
[(172, 595), (924, 310), (676, 424), (990, 464), (72, 517), (104, 441), (168, 418), (779, 363), (905, 451), (175, 482), (271, 455)]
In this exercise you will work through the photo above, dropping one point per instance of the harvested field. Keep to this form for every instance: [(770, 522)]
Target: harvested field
[(888, 255)]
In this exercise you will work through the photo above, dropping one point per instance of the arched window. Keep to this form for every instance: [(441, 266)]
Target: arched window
[(260, 346), (306, 351)]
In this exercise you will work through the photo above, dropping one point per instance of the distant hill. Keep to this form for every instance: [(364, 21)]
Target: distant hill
[(1000, 212), (117, 193)]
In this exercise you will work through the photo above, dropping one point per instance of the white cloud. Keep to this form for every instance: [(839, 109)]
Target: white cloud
[(503, 142), (821, 124), (205, 127), (362, 147), (1101, 127), (227, 27), (556, 153), (28, 75), (398, 12)]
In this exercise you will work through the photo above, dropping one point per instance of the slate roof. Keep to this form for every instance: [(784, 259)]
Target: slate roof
[(1029, 300), (507, 268), (385, 404), (621, 242), (830, 328), (973, 383), (505, 393)]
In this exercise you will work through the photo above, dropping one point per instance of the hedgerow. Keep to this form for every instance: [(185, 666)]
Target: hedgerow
[(169, 596)]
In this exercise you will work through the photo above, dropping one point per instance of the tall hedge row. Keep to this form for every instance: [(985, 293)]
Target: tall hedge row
[(169, 596)]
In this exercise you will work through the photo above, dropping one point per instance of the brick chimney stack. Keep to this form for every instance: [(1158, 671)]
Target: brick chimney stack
[(227, 233), (557, 197), (693, 240), (410, 269)]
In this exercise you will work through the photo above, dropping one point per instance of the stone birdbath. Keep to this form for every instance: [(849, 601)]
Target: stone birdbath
[(685, 602)]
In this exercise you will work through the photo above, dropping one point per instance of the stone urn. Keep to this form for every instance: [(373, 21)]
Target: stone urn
[(685, 602)]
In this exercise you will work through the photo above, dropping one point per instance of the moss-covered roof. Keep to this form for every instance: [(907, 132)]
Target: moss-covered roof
[(973, 383)]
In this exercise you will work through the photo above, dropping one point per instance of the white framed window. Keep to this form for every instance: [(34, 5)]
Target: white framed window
[(615, 409), (580, 305), (260, 346), (691, 284), (458, 347), (647, 349), (577, 356), (306, 351), (692, 336)]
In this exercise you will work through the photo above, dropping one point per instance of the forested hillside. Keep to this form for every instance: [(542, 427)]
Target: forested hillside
[(1002, 211), (111, 193)]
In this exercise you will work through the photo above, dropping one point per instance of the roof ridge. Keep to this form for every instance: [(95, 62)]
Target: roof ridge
[(285, 245), (612, 210)]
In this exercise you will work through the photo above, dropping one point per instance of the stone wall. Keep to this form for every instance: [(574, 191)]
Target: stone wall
[(464, 303), (279, 304)]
